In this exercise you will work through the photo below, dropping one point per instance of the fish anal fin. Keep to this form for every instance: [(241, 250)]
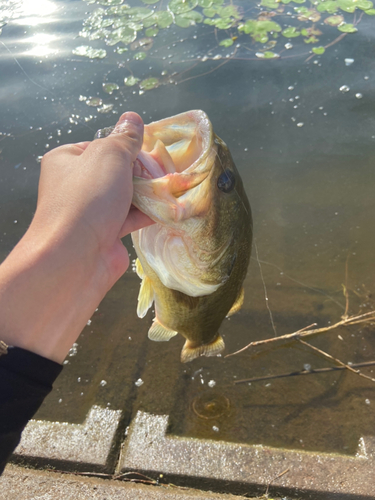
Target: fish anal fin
[(238, 303), (160, 333), (145, 297), (190, 352)]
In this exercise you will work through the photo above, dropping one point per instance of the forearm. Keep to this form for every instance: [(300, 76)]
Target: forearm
[(48, 291)]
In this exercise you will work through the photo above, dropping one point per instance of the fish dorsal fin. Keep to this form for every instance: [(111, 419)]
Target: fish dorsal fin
[(238, 303), (139, 269), (160, 333), (145, 296), (190, 352)]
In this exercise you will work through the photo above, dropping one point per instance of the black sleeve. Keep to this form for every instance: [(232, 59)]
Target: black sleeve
[(25, 380)]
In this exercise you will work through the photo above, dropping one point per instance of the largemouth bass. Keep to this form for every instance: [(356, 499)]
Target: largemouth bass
[(194, 260)]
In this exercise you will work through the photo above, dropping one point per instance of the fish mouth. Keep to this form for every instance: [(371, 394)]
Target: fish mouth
[(175, 145)]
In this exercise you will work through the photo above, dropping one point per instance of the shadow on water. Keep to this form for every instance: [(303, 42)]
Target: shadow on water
[(305, 151)]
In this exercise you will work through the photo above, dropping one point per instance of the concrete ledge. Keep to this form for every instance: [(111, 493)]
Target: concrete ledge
[(18, 483), (247, 469), (86, 446)]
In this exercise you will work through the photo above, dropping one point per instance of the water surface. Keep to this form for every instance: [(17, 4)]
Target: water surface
[(305, 151)]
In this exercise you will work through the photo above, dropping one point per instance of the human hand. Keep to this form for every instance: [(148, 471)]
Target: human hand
[(86, 189), (71, 255)]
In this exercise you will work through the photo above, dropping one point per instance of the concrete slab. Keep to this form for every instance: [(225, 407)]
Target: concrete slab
[(27, 484), (85, 446), (244, 468)]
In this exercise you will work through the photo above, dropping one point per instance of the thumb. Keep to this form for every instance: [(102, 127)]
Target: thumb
[(126, 138)]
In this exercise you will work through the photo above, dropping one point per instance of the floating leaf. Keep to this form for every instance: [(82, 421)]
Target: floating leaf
[(331, 7), (261, 37), (121, 50), (227, 42), (370, 12), (211, 12), (181, 6), (106, 108), (224, 24), (150, 21), (205, 3), (94, 102), (334, 20), (149, 84), (188, 19), (135, 26), (347, 5), (364, 4), (311, 39), (118, 9), (110, 87), (347, 28), (163, 19), (290, 32), (99, 34), (121, 22), (248, 27), (138, 13), (309, 15), (183, 22), (270, 55), (210, 22), (271, 44), (87, 51), (144, 43), (139, 56), (152, 31), (130, 81), (267, 55), (271, 4), (218, 2), (310, 31), (268, 26), (125, 35), (109, 2), (318, 50), (229, 11)]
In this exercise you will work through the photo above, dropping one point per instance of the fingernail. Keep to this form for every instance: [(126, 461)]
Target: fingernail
[(128, 118)]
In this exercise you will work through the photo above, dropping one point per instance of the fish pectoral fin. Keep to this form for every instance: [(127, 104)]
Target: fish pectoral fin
[(145, 297), (190, 352), (139, 269), (238, 303), (160, 333)]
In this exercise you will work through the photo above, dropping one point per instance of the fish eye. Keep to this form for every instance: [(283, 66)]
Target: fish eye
[(226, 181)]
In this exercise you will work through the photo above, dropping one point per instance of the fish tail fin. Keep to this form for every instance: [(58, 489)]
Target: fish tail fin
[(190, 352)]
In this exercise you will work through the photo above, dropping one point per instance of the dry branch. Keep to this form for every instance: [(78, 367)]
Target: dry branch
[(352, 320), (303, 372)]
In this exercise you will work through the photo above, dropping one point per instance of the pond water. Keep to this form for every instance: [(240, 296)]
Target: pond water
[(300, 126)]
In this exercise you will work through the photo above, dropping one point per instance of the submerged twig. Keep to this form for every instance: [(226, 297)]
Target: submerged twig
[(304, 372), (352, 320), (344, 365)]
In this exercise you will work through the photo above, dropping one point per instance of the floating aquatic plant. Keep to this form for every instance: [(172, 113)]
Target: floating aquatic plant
[(261, 31)]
